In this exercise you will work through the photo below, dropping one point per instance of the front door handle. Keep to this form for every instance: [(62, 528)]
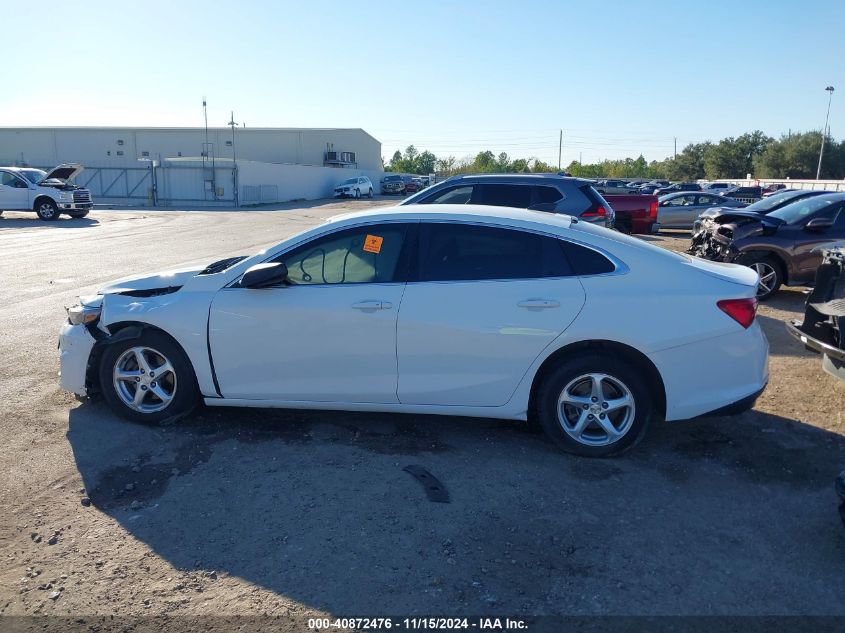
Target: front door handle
[(539, 304), (372, 306)]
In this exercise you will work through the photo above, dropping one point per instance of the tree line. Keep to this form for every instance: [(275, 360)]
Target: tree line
[(793, 155)]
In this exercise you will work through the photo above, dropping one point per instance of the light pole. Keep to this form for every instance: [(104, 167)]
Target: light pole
[(829, 90), (234, 159)]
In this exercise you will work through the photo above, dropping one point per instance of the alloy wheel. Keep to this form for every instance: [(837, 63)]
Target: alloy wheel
[(596, 409), (768, 277), (144, 379)]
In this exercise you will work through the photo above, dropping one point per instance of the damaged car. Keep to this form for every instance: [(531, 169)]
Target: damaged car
[(823, 328), (466, 310), (781, 246)]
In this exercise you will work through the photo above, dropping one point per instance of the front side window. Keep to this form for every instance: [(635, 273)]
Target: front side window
[(367, 254), (465, 252), (801, 210), (10, 180)]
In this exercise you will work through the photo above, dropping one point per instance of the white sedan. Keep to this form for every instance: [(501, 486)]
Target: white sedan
[(442, 309)]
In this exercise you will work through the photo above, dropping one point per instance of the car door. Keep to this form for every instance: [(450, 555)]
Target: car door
[(481, 304), (677, 213), (329, 335), (806, 259), (14, 191)]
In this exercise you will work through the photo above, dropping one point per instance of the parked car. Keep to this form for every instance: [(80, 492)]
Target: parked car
[(412, 185), (823, 328), (635, 213), (421, 183), (773, 188), (540, 192), (527, 321), (354, 188), (717, 187), (780, 246), (767, 194), (680, 210), (761, 207), (678, 186), (47, 194), (745, 193), (615, 186), (393, 184)]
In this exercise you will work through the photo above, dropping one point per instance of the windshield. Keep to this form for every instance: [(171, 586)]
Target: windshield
[(350, 181), (393, 178), (778, 200), (802, 209), (33, 175)]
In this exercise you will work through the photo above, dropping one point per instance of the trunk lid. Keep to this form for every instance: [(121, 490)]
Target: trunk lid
[(733, 273)]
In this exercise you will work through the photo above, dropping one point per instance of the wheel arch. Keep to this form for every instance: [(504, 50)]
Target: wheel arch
[(40, 197), (121, 331), (631, 354), (771, 253)]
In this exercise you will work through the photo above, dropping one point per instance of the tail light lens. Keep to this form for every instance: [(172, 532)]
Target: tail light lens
[(599, 211), (742, 311), (652, 210)]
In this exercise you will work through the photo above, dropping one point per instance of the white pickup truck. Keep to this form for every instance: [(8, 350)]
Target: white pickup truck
[(48, 194)]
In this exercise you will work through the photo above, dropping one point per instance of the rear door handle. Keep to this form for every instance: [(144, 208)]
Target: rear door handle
[(539, 304), (372, 306)]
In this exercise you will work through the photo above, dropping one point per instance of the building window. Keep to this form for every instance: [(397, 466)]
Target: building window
[(120, 141), (120, 152), (228, 143), (108, 153), (145, 153), (178, 153)]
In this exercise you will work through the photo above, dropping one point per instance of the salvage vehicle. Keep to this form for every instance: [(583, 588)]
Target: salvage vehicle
[(393, 184), (823, 328), (354, 188), (636, 213), (680, 210), (540, 192), (761, 207), (47, 194), (782, 246), (433, 309)]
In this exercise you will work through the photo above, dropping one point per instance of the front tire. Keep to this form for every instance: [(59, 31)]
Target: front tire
[(769, 270), (46, 210), (594, 405), (78, 214), (148, 379)]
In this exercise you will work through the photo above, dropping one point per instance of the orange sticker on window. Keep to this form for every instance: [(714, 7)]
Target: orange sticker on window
[(372, 243)]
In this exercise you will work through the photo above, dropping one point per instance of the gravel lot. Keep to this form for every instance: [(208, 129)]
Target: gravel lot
[(252, 512)]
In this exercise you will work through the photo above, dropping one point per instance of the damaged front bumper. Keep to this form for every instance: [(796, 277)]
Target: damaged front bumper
[(714, 242), (75, 345)]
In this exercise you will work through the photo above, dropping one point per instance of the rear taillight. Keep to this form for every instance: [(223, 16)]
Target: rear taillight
[(652, 210), (742, 311), (599, 211)]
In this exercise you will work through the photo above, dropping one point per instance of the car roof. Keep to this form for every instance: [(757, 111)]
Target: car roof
[(460, 213), (519, 178)]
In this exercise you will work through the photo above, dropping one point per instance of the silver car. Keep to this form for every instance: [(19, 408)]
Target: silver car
[(680, 210)]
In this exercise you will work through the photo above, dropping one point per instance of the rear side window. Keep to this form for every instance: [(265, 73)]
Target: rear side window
[(547, 194), (586, 261), (462, 252), (518, 196)]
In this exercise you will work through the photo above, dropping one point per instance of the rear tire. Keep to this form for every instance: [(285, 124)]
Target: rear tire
[(137, 393), (771, 277), (370, 194), (594, 405), (46, 210)]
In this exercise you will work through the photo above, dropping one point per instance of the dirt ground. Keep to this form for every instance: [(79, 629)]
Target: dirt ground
[(238, 511)]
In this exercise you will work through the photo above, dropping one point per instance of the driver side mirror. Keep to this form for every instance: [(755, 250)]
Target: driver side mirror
[(265, 275), (817, 225)]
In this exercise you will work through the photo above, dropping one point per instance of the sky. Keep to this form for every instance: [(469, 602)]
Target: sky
[(619, 78)]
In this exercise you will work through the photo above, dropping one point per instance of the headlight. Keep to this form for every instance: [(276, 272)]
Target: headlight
[(80, 314)]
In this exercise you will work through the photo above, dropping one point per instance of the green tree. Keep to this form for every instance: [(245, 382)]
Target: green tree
[(797, 156)]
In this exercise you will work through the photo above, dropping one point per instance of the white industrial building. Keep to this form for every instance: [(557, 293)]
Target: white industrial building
[(173, 166)]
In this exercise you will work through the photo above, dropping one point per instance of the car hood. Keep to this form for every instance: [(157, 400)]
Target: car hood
[(167, 280), (64, 172), (722, 215)]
